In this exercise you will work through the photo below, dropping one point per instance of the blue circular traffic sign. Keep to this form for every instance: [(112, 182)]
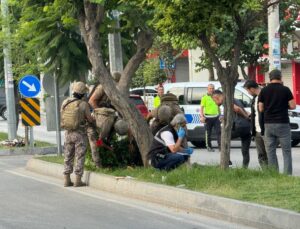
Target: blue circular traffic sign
[(29, 86)]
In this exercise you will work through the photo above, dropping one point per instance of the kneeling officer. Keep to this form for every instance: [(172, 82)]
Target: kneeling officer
[(166, 151), (75, 112)]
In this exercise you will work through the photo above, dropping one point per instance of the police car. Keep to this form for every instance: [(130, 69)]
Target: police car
[(189, 95)]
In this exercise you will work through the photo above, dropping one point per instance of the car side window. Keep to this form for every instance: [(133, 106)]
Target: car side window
[(194, 95), (245, 100), (151, 91), (137, 92)]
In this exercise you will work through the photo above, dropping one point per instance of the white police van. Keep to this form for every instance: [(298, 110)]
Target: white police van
[(189, 95)]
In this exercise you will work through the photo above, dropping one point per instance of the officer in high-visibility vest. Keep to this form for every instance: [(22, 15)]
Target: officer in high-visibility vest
[(160, 92), (209, 115)]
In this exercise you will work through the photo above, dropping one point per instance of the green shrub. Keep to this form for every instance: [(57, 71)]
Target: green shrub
[(125, 153)]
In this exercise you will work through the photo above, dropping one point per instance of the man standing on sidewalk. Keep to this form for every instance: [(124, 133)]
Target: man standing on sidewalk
[(275, 100), (257, 122), (75, 112), (209, 115)]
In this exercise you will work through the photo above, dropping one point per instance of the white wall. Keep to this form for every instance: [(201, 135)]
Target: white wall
[(202, 76), (182, 70), (194, 55)]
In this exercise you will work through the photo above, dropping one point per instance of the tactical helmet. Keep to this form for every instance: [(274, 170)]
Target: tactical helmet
[(80, 88), (168, 98), (164, 114), (178, 119), (121, 127)]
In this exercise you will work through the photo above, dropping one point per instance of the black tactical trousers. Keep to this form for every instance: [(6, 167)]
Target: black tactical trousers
[(211, 123), (245, 135)]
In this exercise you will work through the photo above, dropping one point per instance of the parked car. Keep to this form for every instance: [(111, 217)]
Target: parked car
[(139, 104), (189, 95), (3, 110), (147, 94)]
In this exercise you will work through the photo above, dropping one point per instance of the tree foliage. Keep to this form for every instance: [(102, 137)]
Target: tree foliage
[(221, 28), (70, 37), (149, 74), (50, 29), (91, 20)]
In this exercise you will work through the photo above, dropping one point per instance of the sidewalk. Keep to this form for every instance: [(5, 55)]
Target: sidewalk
[(254, 215)]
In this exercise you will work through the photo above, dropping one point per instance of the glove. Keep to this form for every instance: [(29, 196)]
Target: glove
[(188, 150), (181, 132)]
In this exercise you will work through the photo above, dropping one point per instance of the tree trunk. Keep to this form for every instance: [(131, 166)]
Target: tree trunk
[(211, 76), (228, 77), (90, 20), (228, 92), (210, 67)]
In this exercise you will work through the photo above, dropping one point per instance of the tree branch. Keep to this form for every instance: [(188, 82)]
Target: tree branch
[(238, 43), (209, 51), (144, 43)]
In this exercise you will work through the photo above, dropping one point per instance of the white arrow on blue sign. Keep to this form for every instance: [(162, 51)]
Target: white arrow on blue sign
[(29, 86)]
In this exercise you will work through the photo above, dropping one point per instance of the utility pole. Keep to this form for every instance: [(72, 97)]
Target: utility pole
[(57, 115), (115, 47), (9, 81), (274, 36)]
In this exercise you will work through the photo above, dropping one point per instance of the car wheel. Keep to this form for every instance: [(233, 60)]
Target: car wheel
[(198, 144), (295, 142), (4, 113)]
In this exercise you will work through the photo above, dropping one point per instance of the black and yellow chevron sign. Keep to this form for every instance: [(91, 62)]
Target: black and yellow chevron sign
[(30, 111)]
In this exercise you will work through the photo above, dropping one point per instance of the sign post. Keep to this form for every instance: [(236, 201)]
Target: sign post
[(29, 87)]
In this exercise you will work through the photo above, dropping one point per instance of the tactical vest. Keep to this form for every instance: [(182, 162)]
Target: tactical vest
[(158, 146)]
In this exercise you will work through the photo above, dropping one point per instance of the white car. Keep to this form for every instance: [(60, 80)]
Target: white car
[(189, 95)]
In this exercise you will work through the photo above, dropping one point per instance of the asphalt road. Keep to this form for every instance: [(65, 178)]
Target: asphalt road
[(33, 201)]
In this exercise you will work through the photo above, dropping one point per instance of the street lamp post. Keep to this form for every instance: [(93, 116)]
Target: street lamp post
[(274, 37)]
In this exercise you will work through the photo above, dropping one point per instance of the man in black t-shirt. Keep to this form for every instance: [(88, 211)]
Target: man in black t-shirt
[(275, 100), (257, 122)]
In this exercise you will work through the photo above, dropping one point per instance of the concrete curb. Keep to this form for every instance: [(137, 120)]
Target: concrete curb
[(222, 208), (28, 151)]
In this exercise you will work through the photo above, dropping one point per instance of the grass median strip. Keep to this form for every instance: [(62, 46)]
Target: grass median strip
[(4, 136), (261, 187)]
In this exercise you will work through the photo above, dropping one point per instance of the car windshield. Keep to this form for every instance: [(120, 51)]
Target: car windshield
[(136, 100)]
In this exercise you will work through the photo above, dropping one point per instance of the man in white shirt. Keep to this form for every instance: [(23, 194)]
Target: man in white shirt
[(166, 151)]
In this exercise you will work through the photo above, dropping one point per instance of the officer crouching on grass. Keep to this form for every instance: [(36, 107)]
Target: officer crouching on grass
[(166, 152), (74, 114)]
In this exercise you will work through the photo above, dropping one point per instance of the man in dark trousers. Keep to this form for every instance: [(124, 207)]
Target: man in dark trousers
[(166, 151), (257, 122), (241, 128), (275, 100), (209, 115)]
